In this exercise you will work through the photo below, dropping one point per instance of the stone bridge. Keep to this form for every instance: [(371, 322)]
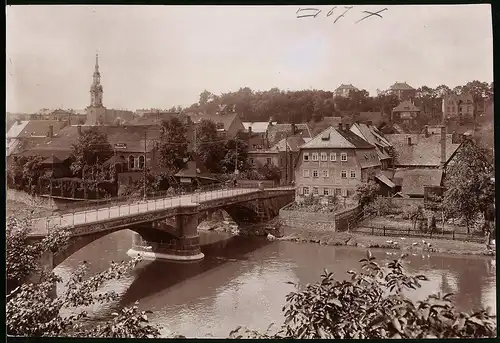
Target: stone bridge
[(164, 228)]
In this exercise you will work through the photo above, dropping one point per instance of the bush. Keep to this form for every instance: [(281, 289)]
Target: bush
[(372, 305)]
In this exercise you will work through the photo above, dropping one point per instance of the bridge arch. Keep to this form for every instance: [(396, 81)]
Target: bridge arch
[(146, 235)]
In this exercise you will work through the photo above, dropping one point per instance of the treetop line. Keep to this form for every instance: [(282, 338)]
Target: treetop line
[(314, 12)]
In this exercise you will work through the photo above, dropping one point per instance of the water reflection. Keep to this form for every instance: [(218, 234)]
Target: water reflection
[(241, 281)]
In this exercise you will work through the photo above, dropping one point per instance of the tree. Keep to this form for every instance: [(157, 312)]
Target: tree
[(173, 145), (31, 308), (367, 192), (91, 148), (469, 186), (209, 146), (23, 172), (235, 147), (205, 97)]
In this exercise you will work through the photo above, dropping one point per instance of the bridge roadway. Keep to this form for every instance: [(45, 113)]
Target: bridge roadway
[(104, 213)]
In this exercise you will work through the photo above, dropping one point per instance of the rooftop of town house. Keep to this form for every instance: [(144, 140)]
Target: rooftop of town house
[(373, 136), (334, 138), (35, 128), (127, 138), (466, 98), (226, 120), (152, 118), (401, 86), (276, 132), (412, 181), (385, 180), (349, 86), (257, 127), (406, 106), (194, 168), (423, 151), (291, 143), (367, 159), (376, 118)]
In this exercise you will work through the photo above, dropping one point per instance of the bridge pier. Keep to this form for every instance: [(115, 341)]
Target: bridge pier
[(181, 245)]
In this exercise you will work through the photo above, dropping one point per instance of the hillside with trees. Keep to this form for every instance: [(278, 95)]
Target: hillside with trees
[(313, 105)]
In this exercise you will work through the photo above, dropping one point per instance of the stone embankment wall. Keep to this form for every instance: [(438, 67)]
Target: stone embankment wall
[(30, 200), (317, 221)]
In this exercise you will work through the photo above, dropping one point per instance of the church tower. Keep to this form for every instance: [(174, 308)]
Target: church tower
[(96, 88), (96, 112)]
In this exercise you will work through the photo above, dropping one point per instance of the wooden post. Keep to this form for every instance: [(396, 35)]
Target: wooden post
[(384, 231), (372, 230), (453, 234)]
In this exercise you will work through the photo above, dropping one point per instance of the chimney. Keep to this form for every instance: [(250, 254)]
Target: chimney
[(443, 145), (340, 126), (51, 131), (426, 131), (18, 121), (408, 139), (294, 129), (369, 123), (79, 130)]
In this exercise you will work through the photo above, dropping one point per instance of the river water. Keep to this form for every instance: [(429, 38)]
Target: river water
[(242, 280)]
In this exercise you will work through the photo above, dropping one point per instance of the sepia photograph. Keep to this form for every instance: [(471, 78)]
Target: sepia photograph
[(262, 172)]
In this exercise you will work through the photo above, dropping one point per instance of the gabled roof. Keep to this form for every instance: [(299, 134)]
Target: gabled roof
[(293, 144), (52, 160), (349, 86), (194, 168), (406, 106), (257, 127), (333, 138), (401, 86), (375, 117), (423, 151), (277, 132), (225, 119), (412, 181), (373, 136), (16, 128), (367, 159)]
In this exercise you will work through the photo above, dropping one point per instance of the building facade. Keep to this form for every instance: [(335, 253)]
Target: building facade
[(334, 162), (457, 107), (406, 112), (344, 90), (403, 91)]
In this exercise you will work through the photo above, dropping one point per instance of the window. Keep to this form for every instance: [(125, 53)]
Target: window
[(268, 160), (337, 191), (131, 160), (333, 157), (306, 190), (353, 174), (315, 190), (142, 162), (315, 173), (325, 173), (306, 156), (324, 156), (325, 191), (343, 174), (344, 192), (315, 156), (343, 157), (251, 161), (306, 173)]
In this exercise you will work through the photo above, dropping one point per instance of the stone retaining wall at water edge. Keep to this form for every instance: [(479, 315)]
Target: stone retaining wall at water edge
[(315, 221), (25, 198)]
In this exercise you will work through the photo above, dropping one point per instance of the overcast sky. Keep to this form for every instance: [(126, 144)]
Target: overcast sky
[(159, 56)]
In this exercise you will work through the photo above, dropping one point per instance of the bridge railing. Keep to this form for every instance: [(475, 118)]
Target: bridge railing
[(84, 216)]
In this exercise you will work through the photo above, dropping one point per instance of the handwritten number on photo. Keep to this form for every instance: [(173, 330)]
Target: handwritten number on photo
[(348, 8), (331, 11), (311, 10)]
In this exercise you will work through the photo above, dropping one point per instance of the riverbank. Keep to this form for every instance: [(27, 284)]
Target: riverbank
[(405, 244), (23, 210)]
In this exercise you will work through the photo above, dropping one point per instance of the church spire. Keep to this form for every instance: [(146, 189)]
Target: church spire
[(96, 88)]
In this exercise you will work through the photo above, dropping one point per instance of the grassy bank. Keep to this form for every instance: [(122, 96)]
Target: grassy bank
[(22, 210), (407, 244)]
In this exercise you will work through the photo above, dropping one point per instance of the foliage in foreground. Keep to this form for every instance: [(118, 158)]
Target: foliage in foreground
[(372, 305), (31, 308)]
